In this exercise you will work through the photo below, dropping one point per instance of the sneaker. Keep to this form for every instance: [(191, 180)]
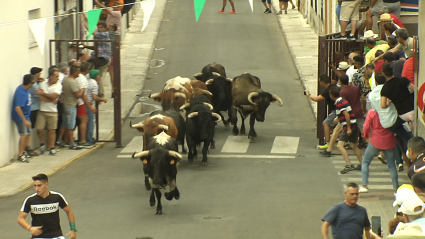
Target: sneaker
[(325, 153), (325, 146), (382, 159), (347, 169), (53, 152), (267, 10), (74, 146), (221, 11), (32, 153), (351, 37), (293, 6), (233, 11), (42, 149), (400, 167), (279, 13), (363, 189), (358, 167), (340, 37), (85, 145), (270, 11), (361, 38), (286, 12), (23, 158)]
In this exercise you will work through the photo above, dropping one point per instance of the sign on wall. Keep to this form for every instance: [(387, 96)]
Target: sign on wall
[(409, 7)]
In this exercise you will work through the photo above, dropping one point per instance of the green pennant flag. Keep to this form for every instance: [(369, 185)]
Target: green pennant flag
[(92, 19), (199, 5)]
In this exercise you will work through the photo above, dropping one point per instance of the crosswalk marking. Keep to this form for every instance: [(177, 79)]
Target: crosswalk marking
[(135, 145), (374, 180), (249, 156), (236, 144), (285, 145)]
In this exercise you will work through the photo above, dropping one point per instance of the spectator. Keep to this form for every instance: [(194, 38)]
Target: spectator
[(283, 4), (409, 70), (370, 56), (416, 154), (358, 76), (347, 218), (328, 123), (342, 69), (418, 183), (70, 96), (397, 66), (396, 91), (413, 212), (92, 97), (392, 42), (269, 8), (63, 71), (21, 110), (349, 11), (113, 3), (407, 230), (392, 6), (388, 26), (405, 43), (349, 131), (368, 34), (369, 80), (112, 27), (49, 93), (113, 14), (378, 64), (381, 140), (81, 108), (224, 6)]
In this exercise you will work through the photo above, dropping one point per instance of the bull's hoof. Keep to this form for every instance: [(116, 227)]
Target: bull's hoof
[(235, 131), (177, 194), (168, 196), (204, 163), (226, 122), (212, 146), (152, 203), (159, 212)]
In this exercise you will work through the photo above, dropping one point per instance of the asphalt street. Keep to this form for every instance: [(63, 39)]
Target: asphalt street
[(238, 195)]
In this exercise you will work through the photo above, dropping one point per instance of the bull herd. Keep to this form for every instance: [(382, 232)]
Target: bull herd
[(202, 99)]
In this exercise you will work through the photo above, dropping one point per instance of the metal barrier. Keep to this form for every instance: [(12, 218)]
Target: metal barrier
[(58, 52), (331, 52)]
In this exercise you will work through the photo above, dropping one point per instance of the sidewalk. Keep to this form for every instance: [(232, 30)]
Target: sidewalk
[(136, 52)]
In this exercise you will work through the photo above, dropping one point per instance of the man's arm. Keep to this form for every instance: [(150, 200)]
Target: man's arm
[(367, 232), (21, 115), (314, 98), (411, 88), (71, 220), (347, 120), (325, 229), (105, 10), (35, 231), (78, 94), (385, 102)]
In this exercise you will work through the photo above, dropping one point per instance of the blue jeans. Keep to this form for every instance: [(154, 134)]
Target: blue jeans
[(90, 125), (369, 154), (69, 117)]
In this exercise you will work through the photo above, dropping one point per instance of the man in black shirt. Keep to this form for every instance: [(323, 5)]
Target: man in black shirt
[(44, 207), (328, 124)]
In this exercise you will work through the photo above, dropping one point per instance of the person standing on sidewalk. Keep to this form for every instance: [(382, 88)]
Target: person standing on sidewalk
[(49, 93), (269, 8), (283, 4), (92, 97), (70, 96), (347, 218), (21, 110), (224, 6), (381, 140), (416, 154), (349, 11), (349, 132), (44, 208), (328, 123), (81, 108)]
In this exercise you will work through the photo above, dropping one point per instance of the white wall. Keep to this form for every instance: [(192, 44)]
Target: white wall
[(16, 60)]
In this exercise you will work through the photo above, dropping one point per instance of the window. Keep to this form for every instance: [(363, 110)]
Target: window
[(32, 14)]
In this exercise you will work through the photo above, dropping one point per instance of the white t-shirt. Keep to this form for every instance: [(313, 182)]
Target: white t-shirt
[(350, 73), (93, 88), (55, 88), (82, 84), (61, 77)]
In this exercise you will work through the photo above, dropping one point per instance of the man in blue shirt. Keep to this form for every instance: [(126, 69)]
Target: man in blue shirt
[(21, 110)]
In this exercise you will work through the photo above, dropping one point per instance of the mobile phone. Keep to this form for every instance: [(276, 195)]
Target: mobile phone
[(376, 225)]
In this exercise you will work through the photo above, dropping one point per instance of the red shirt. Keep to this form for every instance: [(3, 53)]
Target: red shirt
[(351, 93), (382, 138), (378, 66), (397, 20), (409, 70)]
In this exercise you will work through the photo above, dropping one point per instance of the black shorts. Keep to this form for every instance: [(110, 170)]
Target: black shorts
[(33, 117), (283, 0), (352, 138)]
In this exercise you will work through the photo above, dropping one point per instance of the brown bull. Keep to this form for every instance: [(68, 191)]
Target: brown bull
[(175, 93), (200, 88)]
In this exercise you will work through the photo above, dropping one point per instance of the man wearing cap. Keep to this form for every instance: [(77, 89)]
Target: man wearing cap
[(92, 97), (388, 26), (393, 6), (347, 218), (416, 154), (413, 211), (367, 34)]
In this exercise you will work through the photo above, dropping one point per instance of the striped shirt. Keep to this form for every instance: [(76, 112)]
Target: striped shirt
[(341, 106)]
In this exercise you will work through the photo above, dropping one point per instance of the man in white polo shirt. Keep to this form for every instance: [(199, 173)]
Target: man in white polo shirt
[(49, 93)]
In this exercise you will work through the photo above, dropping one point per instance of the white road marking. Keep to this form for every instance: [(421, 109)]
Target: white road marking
[(374, 180), (285, 145), (250, 156), (236, 144), (135, 145), (124, 156)]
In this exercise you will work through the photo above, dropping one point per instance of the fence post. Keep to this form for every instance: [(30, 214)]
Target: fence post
[(117, 92), (322, 65)]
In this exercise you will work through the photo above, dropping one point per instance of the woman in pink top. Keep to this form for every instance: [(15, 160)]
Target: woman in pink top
[(381, 140)]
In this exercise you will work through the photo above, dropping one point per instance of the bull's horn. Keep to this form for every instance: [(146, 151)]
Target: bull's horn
[(141, 154), (209, 105), (278, 99), (217, 116), (197, 75), (154, 95), (193, 114), (179, 94), (209, 81), (172, 153), (185, 106), (163, 126), (207, 92), (229, 79), (252, 94), (216, 74), (139, 125)]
